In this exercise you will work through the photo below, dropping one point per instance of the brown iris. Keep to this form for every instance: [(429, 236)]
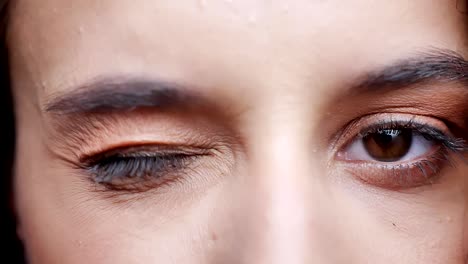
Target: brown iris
[(388, 145)]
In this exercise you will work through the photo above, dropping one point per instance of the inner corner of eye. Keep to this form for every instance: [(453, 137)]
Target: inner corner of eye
[(350, 149)]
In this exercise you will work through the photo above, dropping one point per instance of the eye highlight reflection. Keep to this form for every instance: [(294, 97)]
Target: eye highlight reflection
[(386, 145), (397, 151), (391, 145)]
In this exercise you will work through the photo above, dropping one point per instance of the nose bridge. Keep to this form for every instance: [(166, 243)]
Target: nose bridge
[(280, 184)]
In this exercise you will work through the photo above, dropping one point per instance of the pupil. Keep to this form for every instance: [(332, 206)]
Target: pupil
[(388, 145)]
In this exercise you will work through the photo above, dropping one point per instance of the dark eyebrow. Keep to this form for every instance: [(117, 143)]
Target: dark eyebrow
[(110, 94), (435, 65), (113, 94)]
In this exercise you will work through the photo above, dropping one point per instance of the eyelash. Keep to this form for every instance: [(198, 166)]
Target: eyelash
[(410, 174), (137, 169), (429, 132), (140, 170)]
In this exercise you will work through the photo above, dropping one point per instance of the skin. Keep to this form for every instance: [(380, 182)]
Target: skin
[(279, 75)]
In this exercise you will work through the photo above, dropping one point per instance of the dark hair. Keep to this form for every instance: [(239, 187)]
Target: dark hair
[(13, 252)]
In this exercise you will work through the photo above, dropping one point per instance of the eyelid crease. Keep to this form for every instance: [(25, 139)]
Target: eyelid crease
[(87, 136)]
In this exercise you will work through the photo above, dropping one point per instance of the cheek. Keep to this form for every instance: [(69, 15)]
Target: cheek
[(64, 235), (402, 226), (63, 225)]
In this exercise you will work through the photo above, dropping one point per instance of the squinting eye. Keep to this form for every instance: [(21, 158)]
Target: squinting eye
[(390, 145)]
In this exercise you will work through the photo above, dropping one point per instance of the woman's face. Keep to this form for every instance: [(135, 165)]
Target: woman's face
[(160, 131)]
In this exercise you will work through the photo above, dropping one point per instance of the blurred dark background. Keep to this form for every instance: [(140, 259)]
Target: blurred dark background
[(10, 245)]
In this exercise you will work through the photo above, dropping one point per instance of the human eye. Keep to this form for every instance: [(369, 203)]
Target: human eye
[(140, 168), (399, 151)]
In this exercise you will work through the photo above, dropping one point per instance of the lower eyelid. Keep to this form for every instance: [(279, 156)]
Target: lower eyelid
[(400, 175)]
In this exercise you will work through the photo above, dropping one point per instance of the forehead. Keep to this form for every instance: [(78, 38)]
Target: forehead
[(60, 41)]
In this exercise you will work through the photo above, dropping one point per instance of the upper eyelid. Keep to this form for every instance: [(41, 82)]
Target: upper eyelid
[(408, 120), (146, 151), (357, 127), (451, 143), (160, 160), (392, 124), (423, 129), (100, 135)]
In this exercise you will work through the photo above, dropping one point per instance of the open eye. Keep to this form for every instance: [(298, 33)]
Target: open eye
[(398, 154), (390, 145)]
